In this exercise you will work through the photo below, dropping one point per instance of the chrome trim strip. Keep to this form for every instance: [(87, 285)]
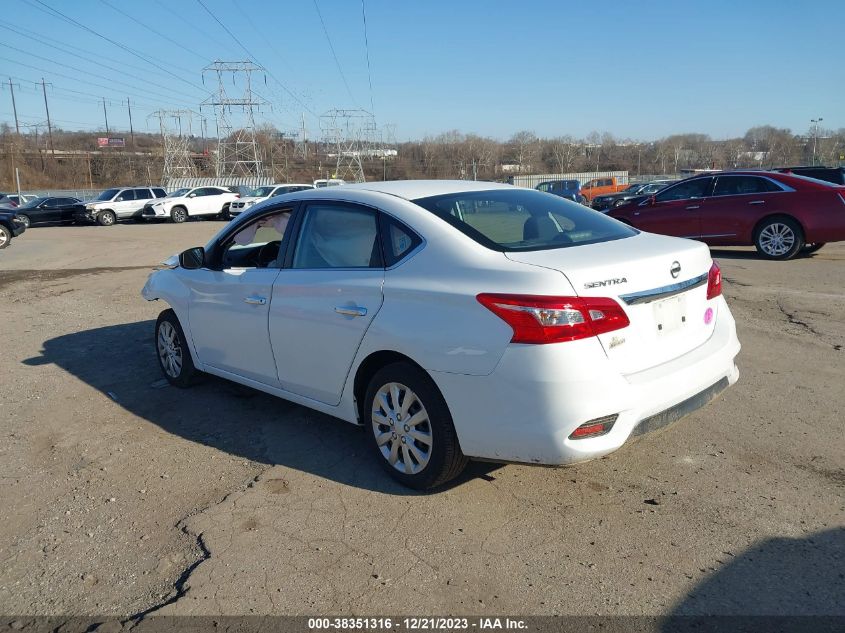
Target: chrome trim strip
[(719, 235), (647, 296)]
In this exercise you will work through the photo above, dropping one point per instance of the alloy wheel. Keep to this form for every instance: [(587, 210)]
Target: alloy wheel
[(169, 350), (402, 428), (4, 238), (776, 239)]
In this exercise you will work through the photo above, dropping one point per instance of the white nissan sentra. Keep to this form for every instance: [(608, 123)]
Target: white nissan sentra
[(453, 320)]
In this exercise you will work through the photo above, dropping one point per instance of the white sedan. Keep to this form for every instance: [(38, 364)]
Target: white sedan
[(260, 194), (453, 320), (191, 202)]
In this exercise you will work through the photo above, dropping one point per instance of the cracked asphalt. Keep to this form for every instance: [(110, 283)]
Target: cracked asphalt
[(122, 496)]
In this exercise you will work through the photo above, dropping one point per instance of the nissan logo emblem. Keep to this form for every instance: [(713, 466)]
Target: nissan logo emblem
[(675, 269)]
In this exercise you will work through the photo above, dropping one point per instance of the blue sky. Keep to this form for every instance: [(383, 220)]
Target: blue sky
[(638, 70)]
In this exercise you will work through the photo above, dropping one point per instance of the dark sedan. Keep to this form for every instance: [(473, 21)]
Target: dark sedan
[(51, 209), (610, 200)]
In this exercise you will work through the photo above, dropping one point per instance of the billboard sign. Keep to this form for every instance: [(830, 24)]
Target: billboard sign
[(111, 142)]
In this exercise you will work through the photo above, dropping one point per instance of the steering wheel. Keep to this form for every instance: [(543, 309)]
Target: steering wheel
[(267, 254)]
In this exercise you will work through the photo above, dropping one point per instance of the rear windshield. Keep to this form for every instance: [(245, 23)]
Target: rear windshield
[(524, 219)]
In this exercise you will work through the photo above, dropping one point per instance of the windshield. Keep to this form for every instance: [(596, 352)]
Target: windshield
[(523, 220), (261, 192), (32, 203), (636, 187), (108, 194), (178, 193)]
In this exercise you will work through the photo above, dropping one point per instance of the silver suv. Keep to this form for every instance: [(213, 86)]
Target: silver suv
[(120, 203)]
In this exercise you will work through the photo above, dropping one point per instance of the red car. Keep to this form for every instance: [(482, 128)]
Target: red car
[(780, 214)]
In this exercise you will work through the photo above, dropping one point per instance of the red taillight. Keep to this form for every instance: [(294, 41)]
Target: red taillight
[(714, 281), (540, 319)]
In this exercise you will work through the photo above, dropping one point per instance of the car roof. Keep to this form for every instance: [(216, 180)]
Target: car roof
[(414, 189)]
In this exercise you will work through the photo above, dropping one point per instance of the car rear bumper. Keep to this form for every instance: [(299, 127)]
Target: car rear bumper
[(85, 215), (16, 228), (527, 408)]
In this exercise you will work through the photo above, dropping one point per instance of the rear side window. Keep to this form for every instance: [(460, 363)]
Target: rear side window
[(337, 236), (159, 193), (142, 194), (739, 185), (523, 219), (397, 240), (126, 194)]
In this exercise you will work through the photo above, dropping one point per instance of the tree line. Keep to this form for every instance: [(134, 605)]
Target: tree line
[(78, 163)]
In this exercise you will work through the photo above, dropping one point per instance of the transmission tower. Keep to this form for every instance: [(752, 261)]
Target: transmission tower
[(349, 135), (301, 150), (238, 152), (177, 153)]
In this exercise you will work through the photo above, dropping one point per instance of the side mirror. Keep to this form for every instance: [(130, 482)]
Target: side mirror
[(193, 258), (119, 199), (193, 195)]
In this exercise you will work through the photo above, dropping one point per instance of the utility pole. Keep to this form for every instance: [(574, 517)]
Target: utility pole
[(14, 107), (49, 125), (815, 123), (131, 130), (106, 115)]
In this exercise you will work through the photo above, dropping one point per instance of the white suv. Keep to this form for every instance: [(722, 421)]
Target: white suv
[(261, 194), (191, 202), (120, 203)]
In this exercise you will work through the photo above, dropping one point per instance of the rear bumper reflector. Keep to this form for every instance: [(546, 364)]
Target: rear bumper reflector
[(594, 428)]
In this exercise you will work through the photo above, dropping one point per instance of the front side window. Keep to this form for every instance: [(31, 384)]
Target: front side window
[(261, 192), (257, 244), (740, 185), (523, 220), (544, 186), (107, 195), (337, 236), (685, 190)]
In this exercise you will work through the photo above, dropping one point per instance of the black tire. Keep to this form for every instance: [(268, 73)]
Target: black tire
[(106, 218), (445, 461), (5, 237), (225, 215), (779, 238), (186, 374), (179, 214), (812, 248), (25, 219)]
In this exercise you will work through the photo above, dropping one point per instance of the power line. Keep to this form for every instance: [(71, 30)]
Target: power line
[(331, 46), (79, 70), (140, 56), (367, 48), (254, 58), (170, 40), (52, 72)]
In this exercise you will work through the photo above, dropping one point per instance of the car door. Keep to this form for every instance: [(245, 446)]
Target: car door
[(124, 203), (674, 211), (738, 202), (66, 208), (142, 197), (230, 300), (325, 297), (47, 211)]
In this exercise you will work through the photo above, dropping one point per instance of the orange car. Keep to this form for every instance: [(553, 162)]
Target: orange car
[(600, 186)]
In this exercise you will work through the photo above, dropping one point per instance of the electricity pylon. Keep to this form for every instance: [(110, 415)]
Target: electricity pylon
[(177, 154), (238, 152), (349, 136)]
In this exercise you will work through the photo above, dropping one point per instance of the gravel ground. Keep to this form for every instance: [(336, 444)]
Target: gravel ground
[(123, 496)]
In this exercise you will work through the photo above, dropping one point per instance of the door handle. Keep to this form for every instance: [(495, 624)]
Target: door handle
[(255, 300), (695, 206), (757, 202), (354, 311)]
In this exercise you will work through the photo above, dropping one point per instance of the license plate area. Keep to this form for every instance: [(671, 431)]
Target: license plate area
[(670, 314)]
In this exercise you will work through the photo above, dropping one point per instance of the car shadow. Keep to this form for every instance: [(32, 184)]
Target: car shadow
[(723, 253), (780, 584), (119, 361)]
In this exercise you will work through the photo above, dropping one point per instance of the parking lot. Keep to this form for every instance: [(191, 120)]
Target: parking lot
[(125, 496)]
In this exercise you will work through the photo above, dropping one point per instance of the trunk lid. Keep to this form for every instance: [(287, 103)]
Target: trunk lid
[(660, 282)]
